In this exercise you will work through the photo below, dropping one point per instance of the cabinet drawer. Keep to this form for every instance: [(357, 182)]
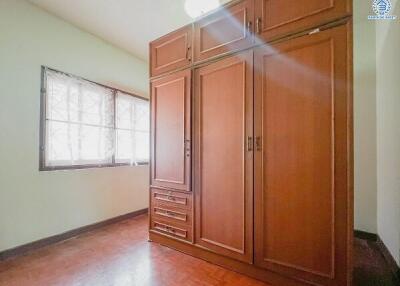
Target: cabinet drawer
[(171, 52), (168, 228), (160, 211), (277, 18), (226, 30), (171, 199)]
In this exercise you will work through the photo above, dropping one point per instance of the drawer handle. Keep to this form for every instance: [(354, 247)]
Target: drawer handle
[(170, 214), (171, 230), (170, 198)]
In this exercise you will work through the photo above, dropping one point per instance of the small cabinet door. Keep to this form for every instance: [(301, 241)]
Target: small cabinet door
[(223, 31), (170, 131), (303, 159), (224, 157), (277, 18), (171, 51)]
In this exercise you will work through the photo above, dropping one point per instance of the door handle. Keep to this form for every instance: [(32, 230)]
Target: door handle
[(187, 147), (249, 24), (258, 25), (258, 143), (188, 55), (249, 143)]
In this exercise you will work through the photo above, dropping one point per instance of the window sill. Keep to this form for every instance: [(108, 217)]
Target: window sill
[(92, 166)]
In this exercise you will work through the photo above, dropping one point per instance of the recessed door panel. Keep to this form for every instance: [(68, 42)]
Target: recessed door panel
[(171, 51), (170, 100), (226, 30), (302, 180), (224, 157), (276, 18)]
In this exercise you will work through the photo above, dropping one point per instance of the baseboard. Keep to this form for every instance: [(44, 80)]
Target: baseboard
[(23, 249), (366, 235), (391, 262)]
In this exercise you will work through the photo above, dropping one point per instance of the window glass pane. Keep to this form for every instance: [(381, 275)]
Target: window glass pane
[(62, 143), (97, 106), (80, 128), (96, 144), (76, 100), (62, 104), (142, 116), (132, 123), (142, 146), (124, 151), (132, 147), (124, 119)]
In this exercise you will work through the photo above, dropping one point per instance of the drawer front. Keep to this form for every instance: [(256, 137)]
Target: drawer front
[(174, 215), (171, 199), (171, 52), (171, 229), (227, 30)]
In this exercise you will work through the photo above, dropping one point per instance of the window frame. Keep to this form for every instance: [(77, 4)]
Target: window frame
[(43, 129)]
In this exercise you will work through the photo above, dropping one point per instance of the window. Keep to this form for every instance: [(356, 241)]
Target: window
[(85, 124)]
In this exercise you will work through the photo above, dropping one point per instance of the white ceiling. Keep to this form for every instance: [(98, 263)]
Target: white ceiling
[(128, 24)]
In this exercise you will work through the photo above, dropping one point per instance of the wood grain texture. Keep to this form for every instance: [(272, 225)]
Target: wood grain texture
[(303, 199), (170, 129), (282, 17), (120, 255), (117, 255), (171, 51), (224, 31), (223, 162)]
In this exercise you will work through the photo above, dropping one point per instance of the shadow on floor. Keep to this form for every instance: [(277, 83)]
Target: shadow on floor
[(370, 267)]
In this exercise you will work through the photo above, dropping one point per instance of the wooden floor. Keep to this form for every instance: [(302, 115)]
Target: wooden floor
[(119, 255)]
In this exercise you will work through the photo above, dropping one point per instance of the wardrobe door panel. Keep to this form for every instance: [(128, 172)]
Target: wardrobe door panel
[(224, 156), (275, 18), (224, 31), (171, 51), (303, 173), (170, 102)]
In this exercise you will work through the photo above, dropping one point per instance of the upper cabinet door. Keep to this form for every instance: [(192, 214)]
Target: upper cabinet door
[(224, 156), (303, 159), (171, 52), (277, 18), (170, 131), (226, 30)]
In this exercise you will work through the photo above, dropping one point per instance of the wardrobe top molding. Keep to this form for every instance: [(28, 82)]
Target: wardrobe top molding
[(240, 25)]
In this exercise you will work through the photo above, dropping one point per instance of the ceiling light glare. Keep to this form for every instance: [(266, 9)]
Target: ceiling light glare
[(196, 8)]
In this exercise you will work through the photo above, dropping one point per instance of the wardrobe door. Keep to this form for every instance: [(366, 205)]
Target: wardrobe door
[(303, 157), (224, 156), (275, 18), (170, 131), (226, 30), (171, 51)]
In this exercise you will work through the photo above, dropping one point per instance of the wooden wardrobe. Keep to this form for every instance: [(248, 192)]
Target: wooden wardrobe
[(251, 140)]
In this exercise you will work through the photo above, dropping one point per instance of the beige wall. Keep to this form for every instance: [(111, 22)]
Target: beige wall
[(34, 204), (388, 122), (365, 172)]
